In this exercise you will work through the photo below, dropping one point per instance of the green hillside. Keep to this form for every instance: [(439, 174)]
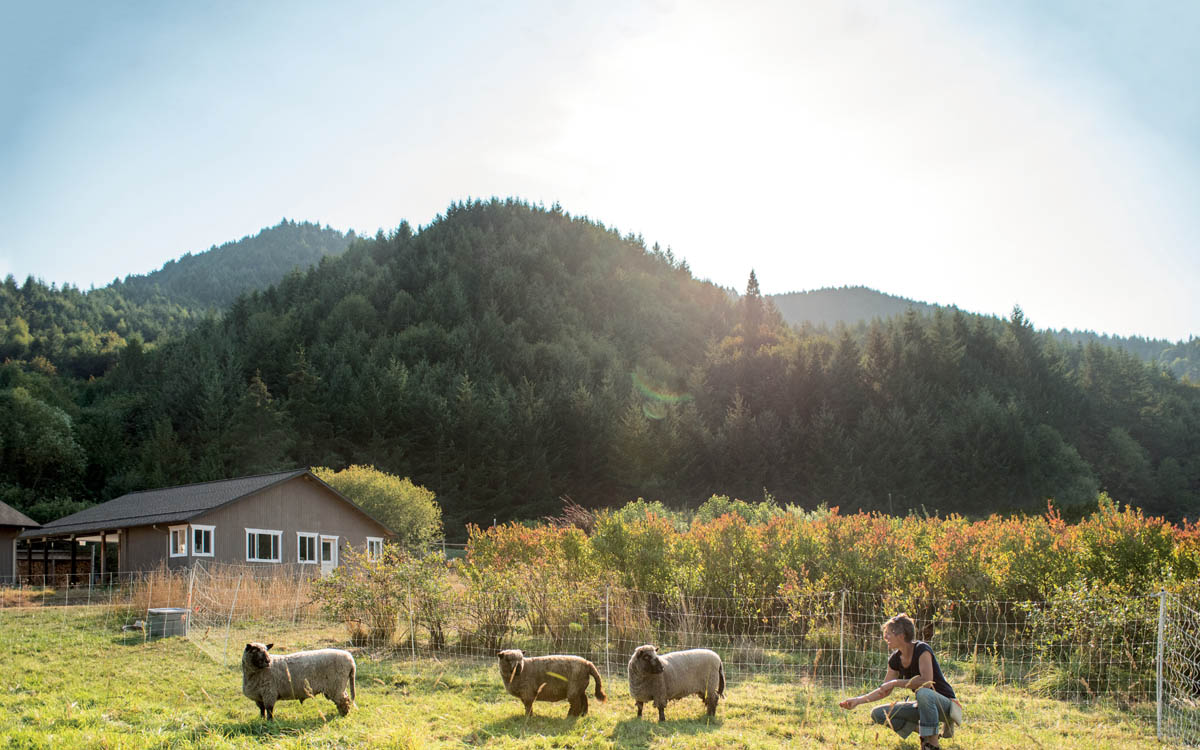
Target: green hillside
[(507, 355), (856, 306), (82, 332), (218, 276)]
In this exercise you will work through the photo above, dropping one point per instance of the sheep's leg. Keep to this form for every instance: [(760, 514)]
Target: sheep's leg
[(639, 707), (262, 710), (574, 709), (662, 712), (270, 711), (711, 703), (583, 704), (343, 704), (528, 708)]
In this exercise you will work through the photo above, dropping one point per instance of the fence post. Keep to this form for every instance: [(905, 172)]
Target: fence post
[(412, 625), (191, 585), (229, 621), (299, 583), (842, 645), (607, 666), (1162, 618), (149, 602)]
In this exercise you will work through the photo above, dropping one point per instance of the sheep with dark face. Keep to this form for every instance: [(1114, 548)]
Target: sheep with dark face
[(658, 678), (549, 678), (267, 678)]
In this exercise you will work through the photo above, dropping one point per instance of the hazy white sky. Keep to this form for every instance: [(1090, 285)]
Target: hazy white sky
[(1044, 153)]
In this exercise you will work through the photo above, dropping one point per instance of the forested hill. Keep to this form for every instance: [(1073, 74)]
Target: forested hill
[(218, 276), (849, 305), (506, 355), (80, 333), (856, 306)]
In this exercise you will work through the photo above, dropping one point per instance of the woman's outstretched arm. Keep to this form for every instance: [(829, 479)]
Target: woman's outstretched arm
[(891, 681)]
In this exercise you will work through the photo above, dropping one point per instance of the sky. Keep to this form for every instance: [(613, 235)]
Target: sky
[(1040, 153)]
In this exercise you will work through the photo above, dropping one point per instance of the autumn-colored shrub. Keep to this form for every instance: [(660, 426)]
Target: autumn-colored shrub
[(645, 552), (1124, 546)]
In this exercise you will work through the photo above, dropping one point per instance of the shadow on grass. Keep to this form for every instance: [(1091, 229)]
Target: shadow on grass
[(629, 734), (279, 728), (136, 638), (634, 733), (518, 727)]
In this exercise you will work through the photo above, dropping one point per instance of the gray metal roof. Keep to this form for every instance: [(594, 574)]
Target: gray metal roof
[(10, 516), (165, 505)]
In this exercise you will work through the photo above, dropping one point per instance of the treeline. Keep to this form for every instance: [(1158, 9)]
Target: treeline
[(81, 332), (855, 307), (507, 355)]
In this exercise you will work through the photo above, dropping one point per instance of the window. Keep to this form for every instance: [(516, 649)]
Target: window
[(262, 545), (306, 547), (374, 547), (177, 546), (202, 541), (329, 549)]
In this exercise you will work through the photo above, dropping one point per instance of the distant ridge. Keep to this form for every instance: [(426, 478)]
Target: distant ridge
[(855, 305), (847, 304), (216, 277)]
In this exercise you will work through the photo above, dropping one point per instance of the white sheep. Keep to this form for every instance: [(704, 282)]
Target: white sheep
[(659, 678), (267, 678)]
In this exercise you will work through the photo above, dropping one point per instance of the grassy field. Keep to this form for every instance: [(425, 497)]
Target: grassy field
[(71, 681)]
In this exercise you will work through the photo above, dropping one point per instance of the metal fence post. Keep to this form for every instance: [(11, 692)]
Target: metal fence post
[(191, 585), (607, 665), (1162, 618), (412, 625), (842, 644), (296, 603), (149, 603), (229, 621)]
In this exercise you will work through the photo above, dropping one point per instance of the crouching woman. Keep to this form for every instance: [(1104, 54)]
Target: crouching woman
[(912, 665)]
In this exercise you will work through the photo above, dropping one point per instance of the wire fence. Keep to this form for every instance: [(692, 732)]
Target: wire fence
[(1134, 651)]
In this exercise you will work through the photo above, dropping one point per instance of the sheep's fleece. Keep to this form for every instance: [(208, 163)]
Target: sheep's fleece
[(267, 678), (658, 678), (549, 678)]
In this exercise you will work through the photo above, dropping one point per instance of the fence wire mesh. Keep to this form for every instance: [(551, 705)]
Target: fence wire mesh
[(1130, 650), (1179, 682)]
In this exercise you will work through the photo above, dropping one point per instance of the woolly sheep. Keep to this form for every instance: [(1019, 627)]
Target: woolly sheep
[(549, 678), (659, 678), (267, 678)]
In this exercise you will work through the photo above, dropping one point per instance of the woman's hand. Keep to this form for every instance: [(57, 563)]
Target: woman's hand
[(849, 703)]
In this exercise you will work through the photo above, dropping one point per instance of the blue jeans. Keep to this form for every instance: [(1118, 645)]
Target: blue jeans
[(922, 715)]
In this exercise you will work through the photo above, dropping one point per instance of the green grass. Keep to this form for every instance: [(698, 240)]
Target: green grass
[(71, 680)]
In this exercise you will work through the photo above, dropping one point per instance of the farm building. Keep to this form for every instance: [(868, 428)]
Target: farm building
[(12, 523), (270, 519)]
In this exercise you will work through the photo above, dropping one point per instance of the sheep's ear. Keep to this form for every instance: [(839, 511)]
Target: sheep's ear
[(269, 645)]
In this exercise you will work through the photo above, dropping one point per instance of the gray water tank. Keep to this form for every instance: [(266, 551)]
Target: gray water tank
[(166, 621)]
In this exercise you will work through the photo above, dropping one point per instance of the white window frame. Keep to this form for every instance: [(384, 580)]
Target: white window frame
[(278, 534), (212, 540), (333, 561), (316, 547), (377, 543), (172, 549)]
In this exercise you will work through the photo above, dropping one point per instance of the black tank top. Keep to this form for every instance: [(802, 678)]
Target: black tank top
[(914, 668)]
